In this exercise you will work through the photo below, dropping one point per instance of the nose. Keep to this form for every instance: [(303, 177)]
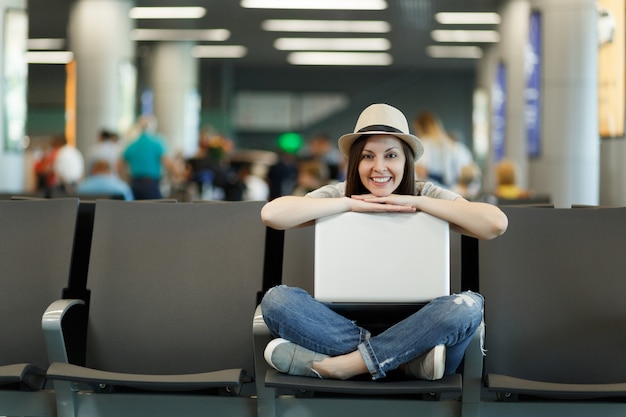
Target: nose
[(380, 165)]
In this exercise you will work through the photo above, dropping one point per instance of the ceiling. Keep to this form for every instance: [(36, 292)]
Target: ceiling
[(411, 22)]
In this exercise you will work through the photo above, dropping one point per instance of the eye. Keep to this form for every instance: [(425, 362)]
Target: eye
[(366, 156), (392, 155)]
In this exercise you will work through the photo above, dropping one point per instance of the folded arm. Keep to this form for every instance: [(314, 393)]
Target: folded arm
[(476, 219), (293, 211)]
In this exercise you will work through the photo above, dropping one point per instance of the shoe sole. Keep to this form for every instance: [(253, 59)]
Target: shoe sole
[(439, 361)]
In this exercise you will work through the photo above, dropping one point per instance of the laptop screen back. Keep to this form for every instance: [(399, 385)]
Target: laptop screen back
[(381, 257)]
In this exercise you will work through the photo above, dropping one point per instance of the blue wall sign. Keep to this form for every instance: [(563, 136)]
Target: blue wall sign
[(498, 111), (532, 93)]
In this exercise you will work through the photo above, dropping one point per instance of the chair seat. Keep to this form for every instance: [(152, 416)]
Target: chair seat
[(24, 375), (512, 385), (230, 379), (448, 384)]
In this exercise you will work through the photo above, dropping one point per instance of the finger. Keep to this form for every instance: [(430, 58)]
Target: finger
[(361, 197)]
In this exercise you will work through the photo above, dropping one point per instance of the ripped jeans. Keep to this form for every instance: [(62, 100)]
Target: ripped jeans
[(291, 313)]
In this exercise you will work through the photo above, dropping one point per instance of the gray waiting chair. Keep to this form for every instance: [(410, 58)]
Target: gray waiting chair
[(555, 315), (285, 395), (173, 288), (35, 254)]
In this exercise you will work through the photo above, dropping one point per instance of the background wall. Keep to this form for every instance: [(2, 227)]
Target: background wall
[(448, 93)]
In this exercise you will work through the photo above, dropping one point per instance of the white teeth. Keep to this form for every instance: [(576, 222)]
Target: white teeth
[(381, 180)]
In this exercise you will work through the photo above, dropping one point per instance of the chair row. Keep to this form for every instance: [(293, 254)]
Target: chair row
[(152, 309), (555, 328), (166, 306)]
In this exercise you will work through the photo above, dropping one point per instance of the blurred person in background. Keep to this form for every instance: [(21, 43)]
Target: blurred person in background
[(69, 166), (312, 174), (443, 156), (46, 179), (107, 148), (506, 181), (60, 167), (102, 181), (208, 171), (319, 147), (469, 182), (144, 160), (251, 183), (283, 175)]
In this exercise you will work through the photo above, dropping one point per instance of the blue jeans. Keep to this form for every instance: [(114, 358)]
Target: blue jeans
[(291, 313)]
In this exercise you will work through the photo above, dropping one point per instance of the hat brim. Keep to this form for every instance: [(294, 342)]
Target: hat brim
[(346, 141)]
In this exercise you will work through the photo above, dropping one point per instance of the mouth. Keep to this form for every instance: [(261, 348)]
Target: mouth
[(381, 180)]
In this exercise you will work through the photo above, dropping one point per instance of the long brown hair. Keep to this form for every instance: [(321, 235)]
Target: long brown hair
[(354, 185)]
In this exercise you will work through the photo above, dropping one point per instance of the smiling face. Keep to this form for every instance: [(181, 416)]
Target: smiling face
[(381, 164)]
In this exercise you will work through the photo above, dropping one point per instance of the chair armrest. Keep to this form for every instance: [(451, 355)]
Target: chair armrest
[(261, 337), (51, 323), (261, 333), (259, 328)]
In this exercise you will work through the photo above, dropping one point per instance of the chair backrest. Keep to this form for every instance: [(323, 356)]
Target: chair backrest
[(537, 200), (554, 287), (174, 286), (299, 258), (35, 256)]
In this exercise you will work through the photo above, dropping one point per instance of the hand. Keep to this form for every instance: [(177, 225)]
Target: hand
[(370, 203)]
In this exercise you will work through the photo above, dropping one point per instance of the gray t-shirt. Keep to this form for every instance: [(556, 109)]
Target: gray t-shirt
[(427, 189)]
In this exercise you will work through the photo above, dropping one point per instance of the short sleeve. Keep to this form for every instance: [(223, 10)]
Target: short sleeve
[(329, 191), (428, 189)]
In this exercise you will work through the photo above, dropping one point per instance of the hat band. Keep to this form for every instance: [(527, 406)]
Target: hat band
[(379, 128)]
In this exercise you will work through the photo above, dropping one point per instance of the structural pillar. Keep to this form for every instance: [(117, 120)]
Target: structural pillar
[(100, 38), (13, 84), (174, 83), (569, 165), (514, 34)]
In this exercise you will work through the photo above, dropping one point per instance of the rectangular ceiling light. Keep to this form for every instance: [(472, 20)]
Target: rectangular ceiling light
[(332, 44), (339, 58), (49, 57), (167, 12), (219, 51), (45, 43), (340, 26), (467, 18), (488, 36), (465, 52), (315, 4), (180, 34)]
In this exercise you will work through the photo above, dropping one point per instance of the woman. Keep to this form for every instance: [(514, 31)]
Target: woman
[(312, 340)]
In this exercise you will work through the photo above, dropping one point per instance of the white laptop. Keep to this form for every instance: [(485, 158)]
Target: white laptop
[(381, 258)]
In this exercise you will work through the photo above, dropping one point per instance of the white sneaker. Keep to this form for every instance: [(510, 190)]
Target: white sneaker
[(429, 366), (292, 359)]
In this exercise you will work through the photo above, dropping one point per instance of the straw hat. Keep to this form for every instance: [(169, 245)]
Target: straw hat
[(381, 119)]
